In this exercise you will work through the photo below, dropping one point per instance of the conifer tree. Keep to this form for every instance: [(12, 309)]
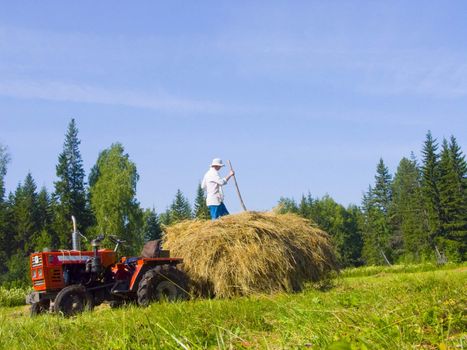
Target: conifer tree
[(453, 209), (378, 244), (407, 209), (352, 245), (25, 215), (459, 163), (70, 194), (305, 207), (4, 159), (382, 197), (180, 209), (200, 208), (46, 237), (165, 218), (430, 190), (370, 252), (460, 168), (43, 208), (382, 193), (151, 227)]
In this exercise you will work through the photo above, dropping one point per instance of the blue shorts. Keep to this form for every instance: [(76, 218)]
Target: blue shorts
[(218, 210)]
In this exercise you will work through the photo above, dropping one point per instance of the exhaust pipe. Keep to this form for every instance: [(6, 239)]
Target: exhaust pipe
[(75, 236)]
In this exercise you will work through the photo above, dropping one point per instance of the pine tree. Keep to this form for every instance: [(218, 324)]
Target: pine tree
[(180, 209), (4, 159), (453, 209), (305, 206), (378, 244), (382, 197), (370, 251), (43, 208), (200, 208), (352, 246), (382, 193), (70, 194), (406, 210), (430, 190), (165, 218), (369, 254), (151, 227), (25, 213), (460, 168), (46, 237), (459, 164)]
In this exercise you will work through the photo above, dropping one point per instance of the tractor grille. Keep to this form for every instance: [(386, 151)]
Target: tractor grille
[(56, 275), (38, 283), (36, 261)]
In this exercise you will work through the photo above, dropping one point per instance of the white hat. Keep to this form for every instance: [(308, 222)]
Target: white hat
[(217, 162)]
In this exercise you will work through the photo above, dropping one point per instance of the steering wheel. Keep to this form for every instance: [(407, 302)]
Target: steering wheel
[(116, 240)]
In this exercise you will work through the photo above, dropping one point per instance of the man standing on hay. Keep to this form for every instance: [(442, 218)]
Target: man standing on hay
[(212, 184)]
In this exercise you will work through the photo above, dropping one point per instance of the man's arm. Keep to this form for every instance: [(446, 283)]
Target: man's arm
[(222, 181), (231, 174)]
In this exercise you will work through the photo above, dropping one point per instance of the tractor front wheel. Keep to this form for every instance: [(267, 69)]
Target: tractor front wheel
[(39, 307), (73, 300), (158, 284)]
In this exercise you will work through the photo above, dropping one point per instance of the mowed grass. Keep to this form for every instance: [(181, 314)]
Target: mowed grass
[(416, 310)]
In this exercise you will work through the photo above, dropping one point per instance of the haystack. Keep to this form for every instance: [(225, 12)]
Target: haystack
[(251, 253)]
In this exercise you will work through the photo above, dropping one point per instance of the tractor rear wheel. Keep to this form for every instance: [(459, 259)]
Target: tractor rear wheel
[(158, 284), (73, 300), (39, 307)]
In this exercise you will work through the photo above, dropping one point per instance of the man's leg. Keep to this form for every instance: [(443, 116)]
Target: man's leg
[(214, 211), (223, 210)]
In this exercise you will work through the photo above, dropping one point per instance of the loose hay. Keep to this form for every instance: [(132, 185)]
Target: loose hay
[(251, 253)]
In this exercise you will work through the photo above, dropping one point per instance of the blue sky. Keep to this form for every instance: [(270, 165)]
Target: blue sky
[(300, 95)]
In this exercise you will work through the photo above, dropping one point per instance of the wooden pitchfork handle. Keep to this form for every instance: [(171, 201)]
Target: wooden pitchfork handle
[(236, 186)]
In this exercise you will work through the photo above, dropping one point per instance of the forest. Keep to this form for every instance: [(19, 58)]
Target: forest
[(418, 214)]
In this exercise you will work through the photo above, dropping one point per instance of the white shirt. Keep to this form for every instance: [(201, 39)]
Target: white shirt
[(212, 184)]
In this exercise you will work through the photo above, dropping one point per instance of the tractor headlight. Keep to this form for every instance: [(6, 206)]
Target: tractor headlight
[(39, 272), (34, 273)]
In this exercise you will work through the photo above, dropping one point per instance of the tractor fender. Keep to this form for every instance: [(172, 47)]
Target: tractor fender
[(140, 270)]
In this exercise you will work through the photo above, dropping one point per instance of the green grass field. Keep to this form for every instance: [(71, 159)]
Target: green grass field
[(384, 308)]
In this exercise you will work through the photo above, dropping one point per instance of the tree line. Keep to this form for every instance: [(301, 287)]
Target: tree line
[(418, 214), (32, 219)]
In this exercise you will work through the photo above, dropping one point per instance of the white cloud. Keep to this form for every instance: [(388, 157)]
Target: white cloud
[(418, 73), (80, 93)]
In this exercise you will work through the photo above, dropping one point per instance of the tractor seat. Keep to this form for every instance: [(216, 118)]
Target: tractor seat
[(152, 249)]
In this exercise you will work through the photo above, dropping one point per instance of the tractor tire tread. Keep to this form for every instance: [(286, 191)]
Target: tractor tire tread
[(61, 297), (146, 290)]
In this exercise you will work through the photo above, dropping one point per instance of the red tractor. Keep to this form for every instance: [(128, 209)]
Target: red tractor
[(69, 282)]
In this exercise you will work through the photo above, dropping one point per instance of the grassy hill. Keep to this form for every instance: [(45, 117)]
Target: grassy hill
[(367, 308)]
